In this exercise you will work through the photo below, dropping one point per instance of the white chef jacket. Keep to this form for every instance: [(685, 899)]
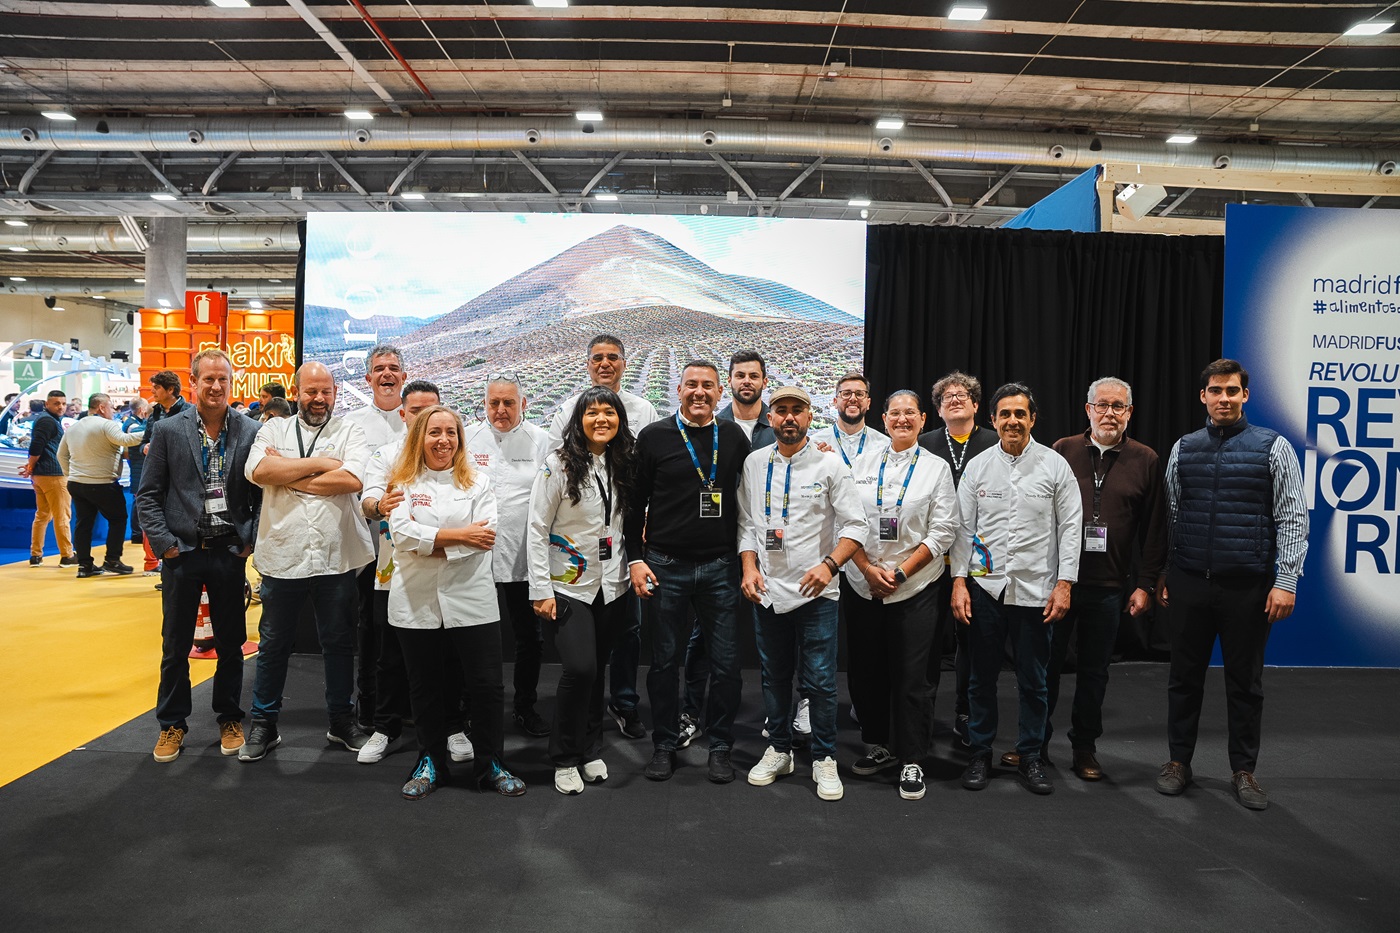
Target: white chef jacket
[(928, 516), (302, 535), (1021, 520), (562, 542), (376, 472), (455, 591), (823, 506), (861, 448), (381, 427), (640, 413), (511, 460)]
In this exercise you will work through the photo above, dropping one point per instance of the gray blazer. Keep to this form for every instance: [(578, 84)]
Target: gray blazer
[(171, 498), (762, 432)]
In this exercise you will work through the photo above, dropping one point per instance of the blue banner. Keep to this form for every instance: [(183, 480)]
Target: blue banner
[(1312, 310)]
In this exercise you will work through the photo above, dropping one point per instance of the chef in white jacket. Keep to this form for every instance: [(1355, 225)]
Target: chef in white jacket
[(442, 601)]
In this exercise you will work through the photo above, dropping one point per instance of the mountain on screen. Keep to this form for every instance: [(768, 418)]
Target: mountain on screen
[(621, 268), (327, 327)]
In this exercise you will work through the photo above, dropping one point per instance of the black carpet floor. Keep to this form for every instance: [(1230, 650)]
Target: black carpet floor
[(309, 840)]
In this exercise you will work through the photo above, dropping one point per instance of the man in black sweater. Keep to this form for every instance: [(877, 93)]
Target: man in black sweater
[(686, 499)]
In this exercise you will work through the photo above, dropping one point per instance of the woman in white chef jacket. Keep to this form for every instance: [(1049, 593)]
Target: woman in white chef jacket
[(893, 621), (578, 573), (442, 601)]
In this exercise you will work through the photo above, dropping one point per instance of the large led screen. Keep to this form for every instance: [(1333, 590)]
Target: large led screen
[(465, 295)]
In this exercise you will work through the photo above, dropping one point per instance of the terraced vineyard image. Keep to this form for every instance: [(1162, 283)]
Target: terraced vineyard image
[(667, 304)]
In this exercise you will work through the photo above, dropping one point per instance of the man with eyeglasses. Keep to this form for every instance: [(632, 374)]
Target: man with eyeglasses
[(511, 451), (1239, 537), (850, 437), (956, 397), (1120, 489), (382, 423), (607, 361)]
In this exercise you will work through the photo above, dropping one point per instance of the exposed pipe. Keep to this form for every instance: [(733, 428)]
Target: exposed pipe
[(132, 292), (997, 147), (113, 238)]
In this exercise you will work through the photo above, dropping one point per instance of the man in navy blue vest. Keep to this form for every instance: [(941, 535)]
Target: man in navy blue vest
[(1239, 536)]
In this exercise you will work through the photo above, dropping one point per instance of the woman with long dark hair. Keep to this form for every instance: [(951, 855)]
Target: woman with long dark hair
[(578, 573), (442, 601)]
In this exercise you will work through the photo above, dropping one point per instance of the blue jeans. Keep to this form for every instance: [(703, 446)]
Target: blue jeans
[(711, 588), (336, 603), (809, 630), (626, 654), (1092, 623), (992, 622)]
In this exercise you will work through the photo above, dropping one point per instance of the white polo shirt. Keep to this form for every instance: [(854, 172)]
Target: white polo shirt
[(511, 460)]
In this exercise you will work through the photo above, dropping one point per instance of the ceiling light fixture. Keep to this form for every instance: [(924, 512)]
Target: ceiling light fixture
[(255, 305), (359, 115), (858, 202), (550, 4), (139, 281), (589, 116), (18, 278), (1181, 139), (163, 302), (162, 196), (60, 116), (231, 4), (19, 249), (889, 123), (1369, 28), (413, 196), (605, 197), (99, 297), (967, 11), (16, 223)]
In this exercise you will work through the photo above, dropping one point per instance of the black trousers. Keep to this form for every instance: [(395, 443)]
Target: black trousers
[(183, 578), (390, 683), (1232, 610), (514, 600), (476, 651), (888, 669), (584, 642), (89, 499), (367, 644)]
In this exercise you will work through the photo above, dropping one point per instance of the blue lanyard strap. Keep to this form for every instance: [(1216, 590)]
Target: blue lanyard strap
[(768, 491), (880, 489), (204, 447), (841, 450), (714, 455)]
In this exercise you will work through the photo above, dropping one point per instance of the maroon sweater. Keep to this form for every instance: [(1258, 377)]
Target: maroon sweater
[(1132, 504)]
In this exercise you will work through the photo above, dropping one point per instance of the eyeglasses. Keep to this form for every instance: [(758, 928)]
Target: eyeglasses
[(949, 397), (502, 377), (852, 393), (610, 357), (1104, 408)]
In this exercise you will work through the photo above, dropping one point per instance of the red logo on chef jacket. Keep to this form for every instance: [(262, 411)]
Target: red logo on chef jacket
[(208, 309), (482, 460)]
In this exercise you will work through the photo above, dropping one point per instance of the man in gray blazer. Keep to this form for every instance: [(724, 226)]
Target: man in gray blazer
[(200, 515)]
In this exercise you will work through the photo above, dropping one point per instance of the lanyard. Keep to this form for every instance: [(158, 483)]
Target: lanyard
[(958, 460), (204, 448), (880, 489), (714, 455), (768, 491), (606, 495), (316, 438), (859, 450), (1099, 480)]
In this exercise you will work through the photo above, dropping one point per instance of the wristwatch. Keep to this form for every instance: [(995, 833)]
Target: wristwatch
[(900, 575)]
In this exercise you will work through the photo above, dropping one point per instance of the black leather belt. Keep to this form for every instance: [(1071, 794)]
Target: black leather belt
[(220, 541)]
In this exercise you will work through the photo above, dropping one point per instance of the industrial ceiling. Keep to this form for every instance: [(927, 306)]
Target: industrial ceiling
[(236, 116)]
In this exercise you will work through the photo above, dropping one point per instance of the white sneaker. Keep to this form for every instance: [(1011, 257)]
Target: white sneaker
[(802, 720), (460, 747), (595, 771), (377, 747), (567, 781), (771, 766), (828, 780)]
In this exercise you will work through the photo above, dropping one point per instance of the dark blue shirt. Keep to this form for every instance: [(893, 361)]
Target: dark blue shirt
[(43, 442)]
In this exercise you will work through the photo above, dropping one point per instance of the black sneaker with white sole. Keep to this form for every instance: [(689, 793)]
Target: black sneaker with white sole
[(689, 729), (628, 720), (911, 782), (345, 731), (877, 759), (262, 738)]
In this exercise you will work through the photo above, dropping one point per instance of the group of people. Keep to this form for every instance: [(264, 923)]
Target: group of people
[(412, 536)]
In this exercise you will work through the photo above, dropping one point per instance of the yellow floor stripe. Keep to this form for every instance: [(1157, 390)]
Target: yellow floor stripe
[(77, 659)]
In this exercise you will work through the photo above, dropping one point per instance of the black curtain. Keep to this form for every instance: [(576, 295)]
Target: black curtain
[(1052, 309)]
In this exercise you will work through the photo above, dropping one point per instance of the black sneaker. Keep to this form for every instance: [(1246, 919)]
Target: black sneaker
[(36, 561), (262, 738), (85, 572), (689, 729), (721, 770), (531, 722), (345, 731), (1032, 771), (976, 777), (911, 782), (661, 766), (629, 721), (960, 729), (877, 759), (70, 561), (117, 567)]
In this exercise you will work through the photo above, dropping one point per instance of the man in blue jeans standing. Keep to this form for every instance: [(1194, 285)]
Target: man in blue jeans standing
[(1019, 541), (687, 487), (800, 519), (311, 541)]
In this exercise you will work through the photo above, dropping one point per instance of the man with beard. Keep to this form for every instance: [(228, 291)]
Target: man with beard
[(312, 540), (800, 518), (850, 437), (687, 482), (1120, 490), (382, 423), (1019, 540), (607, 362), (51, 500), (200, 513)]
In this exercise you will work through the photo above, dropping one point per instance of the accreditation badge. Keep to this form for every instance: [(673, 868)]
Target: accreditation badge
[(889, 527), (1095, 539), (711, 503), (214, 501), (773, 539), (605, 548)]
